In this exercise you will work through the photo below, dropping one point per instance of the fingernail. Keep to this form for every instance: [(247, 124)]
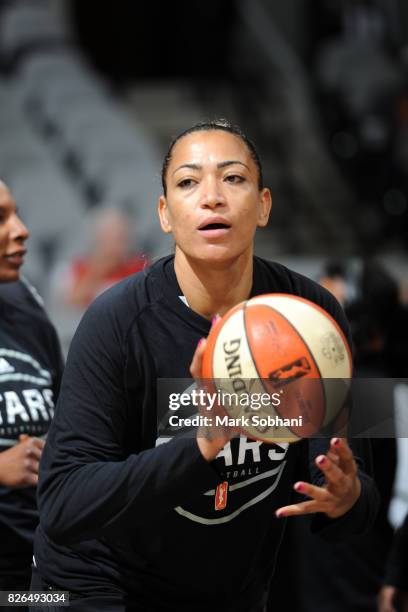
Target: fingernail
[(279, 514), (201, 340), (321, 461), (214, 320), (299, 487), (336, 442)]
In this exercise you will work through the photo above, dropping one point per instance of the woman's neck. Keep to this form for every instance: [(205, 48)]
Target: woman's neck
[(211, 290)]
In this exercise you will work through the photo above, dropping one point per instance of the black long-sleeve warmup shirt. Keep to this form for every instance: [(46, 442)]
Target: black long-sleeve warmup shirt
[(30, 375), (121, 514)]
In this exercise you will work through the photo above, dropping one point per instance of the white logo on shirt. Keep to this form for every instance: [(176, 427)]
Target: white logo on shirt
[(28, 368), (5, 366)]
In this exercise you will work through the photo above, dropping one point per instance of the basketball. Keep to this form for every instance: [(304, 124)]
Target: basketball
[(280, 365)]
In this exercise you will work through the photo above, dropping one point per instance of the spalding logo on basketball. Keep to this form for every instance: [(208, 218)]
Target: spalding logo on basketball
[(284, 346)]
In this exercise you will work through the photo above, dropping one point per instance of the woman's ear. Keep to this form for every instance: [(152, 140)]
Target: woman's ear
[(164, 215), (265, 205)]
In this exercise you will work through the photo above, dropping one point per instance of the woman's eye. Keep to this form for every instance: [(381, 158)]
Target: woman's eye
[(234, 178), (186, 183)]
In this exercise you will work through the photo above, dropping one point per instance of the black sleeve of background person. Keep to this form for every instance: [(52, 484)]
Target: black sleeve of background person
[(49, 337), (87, 484), (397, 565), (59, 361), (55, 352), (40, 332)]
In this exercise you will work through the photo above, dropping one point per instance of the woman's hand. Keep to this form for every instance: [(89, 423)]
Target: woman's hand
[(342, 488), (19, 465)]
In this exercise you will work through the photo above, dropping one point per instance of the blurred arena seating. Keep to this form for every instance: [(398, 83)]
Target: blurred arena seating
[(27, 26), (74, 139), (67, 144), (48, 202)]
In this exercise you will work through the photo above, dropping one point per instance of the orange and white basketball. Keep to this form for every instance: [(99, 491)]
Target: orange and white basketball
[(282, 346)]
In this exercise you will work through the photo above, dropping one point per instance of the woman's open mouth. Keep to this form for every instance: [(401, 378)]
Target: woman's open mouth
[(16, 259), (214, 229)]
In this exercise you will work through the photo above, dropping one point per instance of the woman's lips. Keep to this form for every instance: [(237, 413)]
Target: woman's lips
[(16, 259), (215, 229), (215, 232)]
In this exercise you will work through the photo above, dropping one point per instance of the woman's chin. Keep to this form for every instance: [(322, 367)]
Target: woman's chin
[(9, 276), (218, 255)]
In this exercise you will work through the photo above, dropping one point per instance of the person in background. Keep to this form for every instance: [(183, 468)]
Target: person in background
[(30, 372), (334, 280), (379, 324), (103, 254), (107, 262), (393, 596), (348, 575)]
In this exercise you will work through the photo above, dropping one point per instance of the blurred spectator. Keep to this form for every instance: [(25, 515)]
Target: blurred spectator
[(379, 324), (394, 595), (348, 575), (107, 262), (334, 280), (105, 257)]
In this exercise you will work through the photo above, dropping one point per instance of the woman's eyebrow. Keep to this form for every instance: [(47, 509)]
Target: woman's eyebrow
[(222, 164), (230, 163), (191, 166)]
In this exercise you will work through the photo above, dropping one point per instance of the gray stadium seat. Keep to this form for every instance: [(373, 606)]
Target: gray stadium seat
[(24, 24)]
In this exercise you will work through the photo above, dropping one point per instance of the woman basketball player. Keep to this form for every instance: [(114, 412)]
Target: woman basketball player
[(131, 520), (30, 372)]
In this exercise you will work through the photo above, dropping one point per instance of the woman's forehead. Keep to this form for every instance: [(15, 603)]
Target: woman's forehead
[(217, 145)]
